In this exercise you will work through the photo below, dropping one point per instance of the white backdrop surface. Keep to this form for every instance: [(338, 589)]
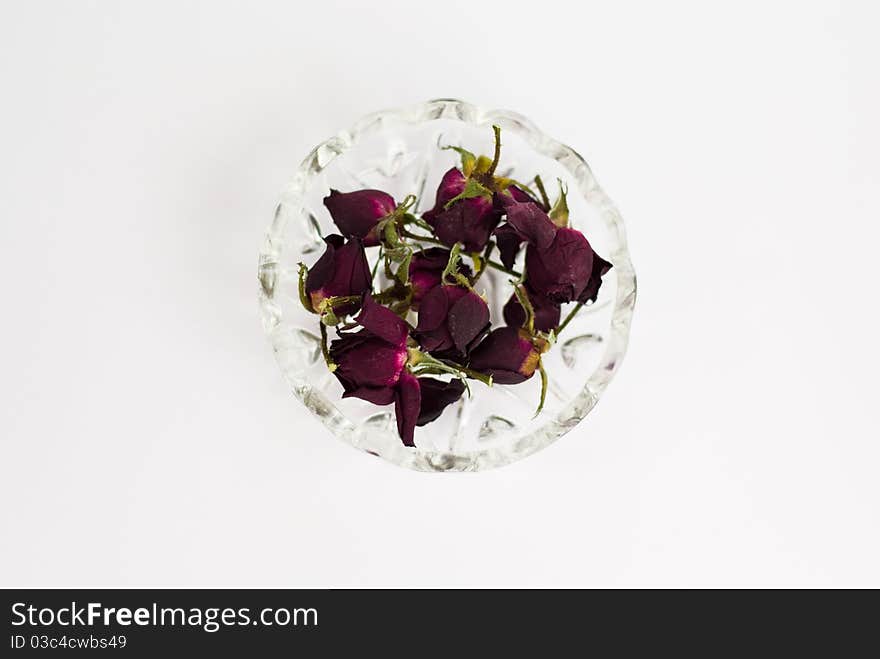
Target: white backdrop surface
[(148, 438)]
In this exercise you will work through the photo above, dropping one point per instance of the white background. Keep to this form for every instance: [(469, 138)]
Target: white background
[(148, 437)]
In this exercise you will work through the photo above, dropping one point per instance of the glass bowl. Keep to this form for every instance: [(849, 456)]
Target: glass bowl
[(398, 151)]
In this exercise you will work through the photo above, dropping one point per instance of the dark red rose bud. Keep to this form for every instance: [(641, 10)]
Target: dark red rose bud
[(562, 270), (407, 406), (451, 320), (367, 366), (591, 290), (342, 271), (425, 270), (468, 221), (369, 363), (436, 397), (357, 213), (547, 312), (507, 354), (526, 222)]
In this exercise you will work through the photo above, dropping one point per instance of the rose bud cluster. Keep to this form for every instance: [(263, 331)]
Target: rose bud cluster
[(371, 365), (412, 325), (465, 210)]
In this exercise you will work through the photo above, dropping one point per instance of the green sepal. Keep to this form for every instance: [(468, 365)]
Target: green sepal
[(549, 337), (539, 183), (403, 268), (303, 296), (328, 308), (483, 165), (479, 262), (472, 188), (468, 159), (389, 232), (559, 212), (329, 318), (451, 269)]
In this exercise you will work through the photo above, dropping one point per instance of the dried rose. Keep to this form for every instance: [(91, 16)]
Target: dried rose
[(547, 312), (426, 269), (591, 290), (561, 271), (342, 271), (436, 396), (508, 354), (469, 221), (451, 320), (371, 365), (357, 213), (560, 263), (369, 362)]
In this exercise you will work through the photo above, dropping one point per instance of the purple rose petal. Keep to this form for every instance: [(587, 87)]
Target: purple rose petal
[(451, 318), (468, 319), (407, 403), (547, 312), (436, 397), (507, 355), (591, 290), (530, 222), (562, 270), (383, 322), (357, 213)]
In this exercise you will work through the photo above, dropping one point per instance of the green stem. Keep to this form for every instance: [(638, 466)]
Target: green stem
[(497, 156), (476, 375), (571, 314), (544, 383), (434, 241), (502, 268), (485, 264), (524, 301), (426, 239), (376, 264), (540, 185), (418, 360), (407, 203), (325, 350)]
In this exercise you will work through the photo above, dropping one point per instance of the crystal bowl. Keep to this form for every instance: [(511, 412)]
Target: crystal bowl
[(398, 151)]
